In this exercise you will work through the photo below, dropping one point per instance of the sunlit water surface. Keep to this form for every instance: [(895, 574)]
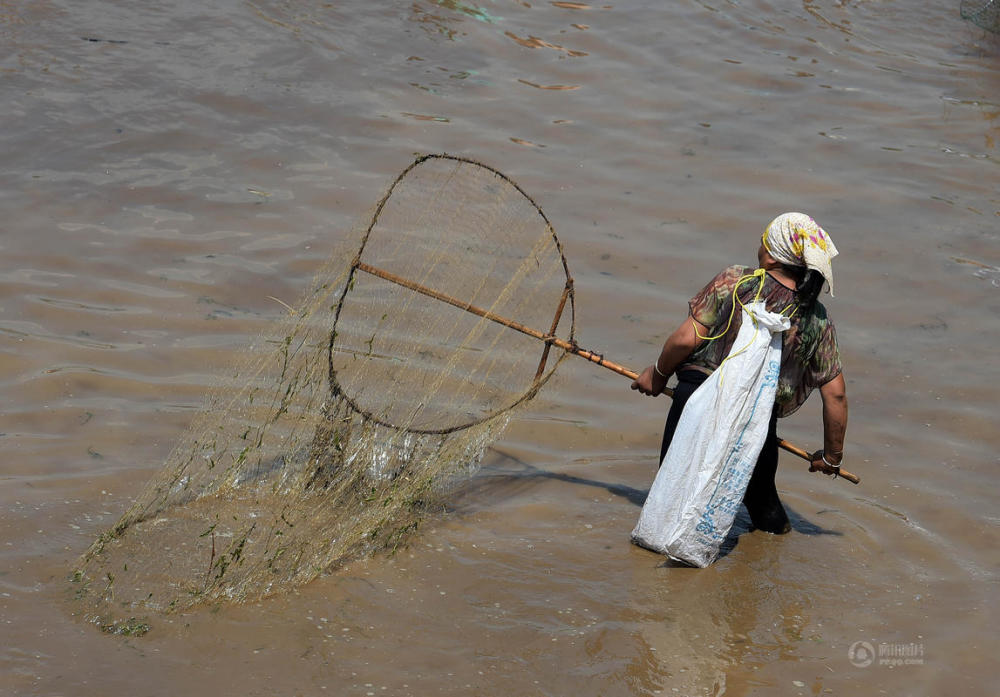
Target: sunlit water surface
[(172, 171)]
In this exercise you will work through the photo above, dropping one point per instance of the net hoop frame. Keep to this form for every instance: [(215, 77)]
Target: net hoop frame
[(979, 11), (541, 377)]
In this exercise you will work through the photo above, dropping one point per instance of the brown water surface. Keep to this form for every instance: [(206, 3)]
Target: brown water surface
[(171, 169)]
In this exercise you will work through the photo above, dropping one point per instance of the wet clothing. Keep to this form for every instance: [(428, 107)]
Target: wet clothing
[(809, 354)]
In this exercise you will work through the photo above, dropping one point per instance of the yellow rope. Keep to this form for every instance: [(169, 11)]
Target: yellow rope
[(759, 273)]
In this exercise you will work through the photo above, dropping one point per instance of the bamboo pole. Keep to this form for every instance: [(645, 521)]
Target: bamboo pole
[(554, 341)]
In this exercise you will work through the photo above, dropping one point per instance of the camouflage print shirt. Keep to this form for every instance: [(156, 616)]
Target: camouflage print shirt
[(809, 354)]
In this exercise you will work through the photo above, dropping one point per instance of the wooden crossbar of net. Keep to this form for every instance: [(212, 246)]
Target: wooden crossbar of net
[(424, 311)]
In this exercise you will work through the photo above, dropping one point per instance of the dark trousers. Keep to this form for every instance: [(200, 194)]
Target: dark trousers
[(761, 497)]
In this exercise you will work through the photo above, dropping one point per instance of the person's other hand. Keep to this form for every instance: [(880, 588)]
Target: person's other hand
[(650, 382), (816, 464)]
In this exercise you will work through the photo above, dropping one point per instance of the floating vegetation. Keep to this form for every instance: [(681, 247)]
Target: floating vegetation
[(129, 627)]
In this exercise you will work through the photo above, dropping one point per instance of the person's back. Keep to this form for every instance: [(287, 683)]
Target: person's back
[(809, 356)]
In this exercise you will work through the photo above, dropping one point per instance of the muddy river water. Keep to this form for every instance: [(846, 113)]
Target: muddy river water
[(170, 169)]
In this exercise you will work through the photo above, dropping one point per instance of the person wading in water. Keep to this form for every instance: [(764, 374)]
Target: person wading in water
[(796, 255)]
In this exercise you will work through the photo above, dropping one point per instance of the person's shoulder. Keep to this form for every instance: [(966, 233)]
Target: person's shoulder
[(720, 286), (731, 274), (724, 281), (821, 324), (820, 314)]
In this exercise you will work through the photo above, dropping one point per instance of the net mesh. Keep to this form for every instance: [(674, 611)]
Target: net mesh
[(482, 242), (337, 437), (982, 13)]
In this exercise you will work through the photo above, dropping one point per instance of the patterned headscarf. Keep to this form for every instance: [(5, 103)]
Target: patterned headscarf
[(795, 239)]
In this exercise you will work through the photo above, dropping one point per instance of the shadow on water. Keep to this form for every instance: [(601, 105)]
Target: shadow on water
[(742, 526), (506, 476), (807, 527)]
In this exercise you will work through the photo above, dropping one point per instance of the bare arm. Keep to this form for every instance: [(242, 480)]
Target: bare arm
[(834, 395), (676, 349)]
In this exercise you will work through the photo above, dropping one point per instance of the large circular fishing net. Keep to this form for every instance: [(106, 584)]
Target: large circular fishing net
[(983, 13), (453, 244), (336, 438)]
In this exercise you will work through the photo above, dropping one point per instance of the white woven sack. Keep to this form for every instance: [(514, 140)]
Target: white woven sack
[(700, 485)]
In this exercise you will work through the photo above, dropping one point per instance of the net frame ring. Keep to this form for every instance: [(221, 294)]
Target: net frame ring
[(985, 14), (541, 376)]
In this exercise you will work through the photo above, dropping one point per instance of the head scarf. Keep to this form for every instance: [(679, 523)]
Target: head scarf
[(795, 239)]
